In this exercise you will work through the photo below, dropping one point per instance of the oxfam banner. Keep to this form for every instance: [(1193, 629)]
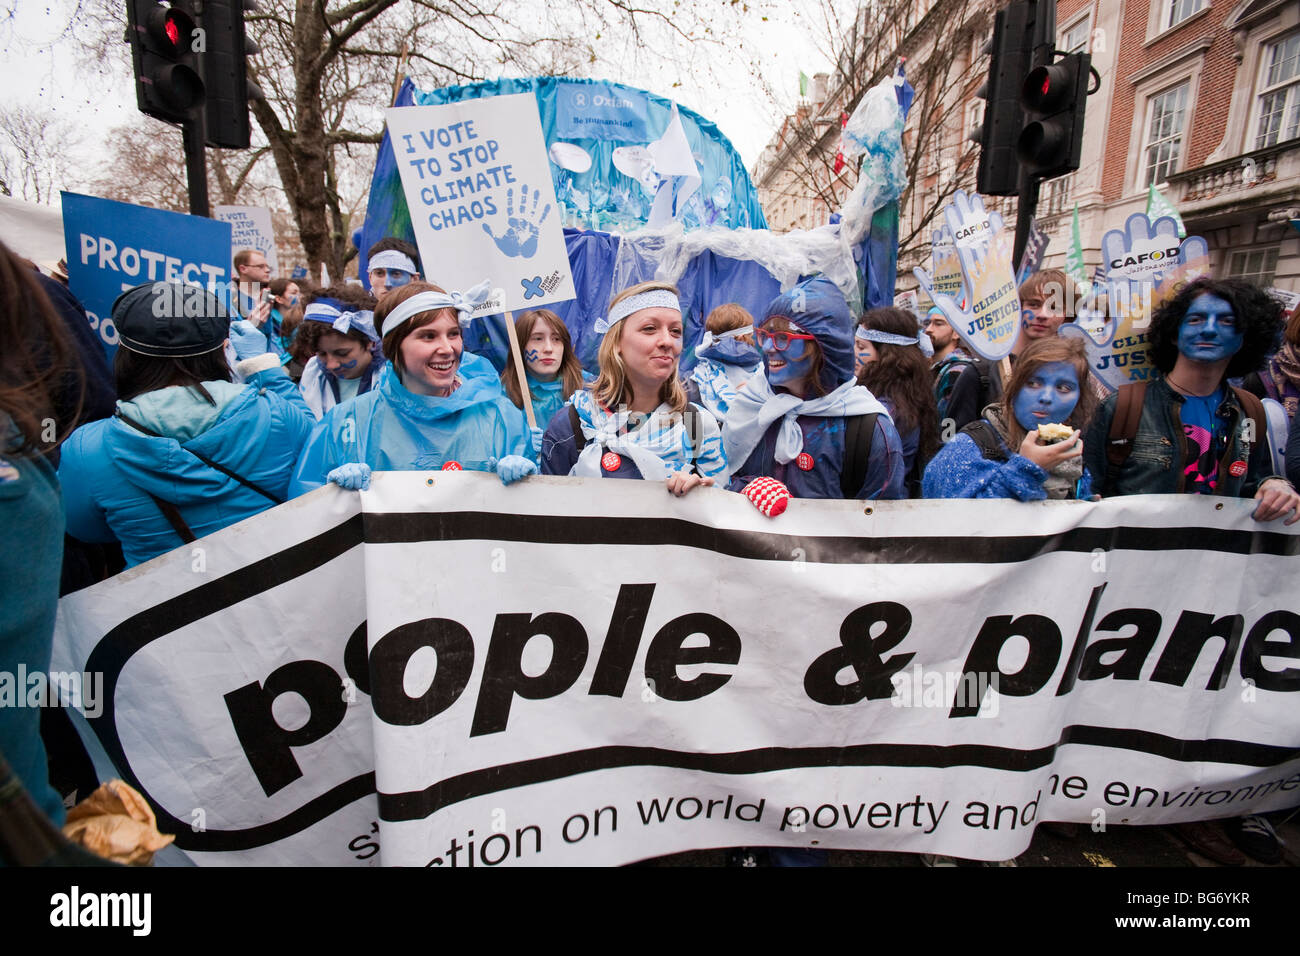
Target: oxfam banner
[(563, 672)]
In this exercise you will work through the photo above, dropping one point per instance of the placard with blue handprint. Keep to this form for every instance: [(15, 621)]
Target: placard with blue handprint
[(988, 319), (1143, 264), (477, 179)]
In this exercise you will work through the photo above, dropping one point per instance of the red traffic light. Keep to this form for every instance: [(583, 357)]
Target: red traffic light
[(1048, 88), (171, 29)]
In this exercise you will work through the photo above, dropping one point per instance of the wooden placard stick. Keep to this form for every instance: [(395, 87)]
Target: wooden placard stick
[(519, 370)]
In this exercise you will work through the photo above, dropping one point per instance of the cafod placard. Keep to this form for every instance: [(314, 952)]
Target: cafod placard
[(478, 184)]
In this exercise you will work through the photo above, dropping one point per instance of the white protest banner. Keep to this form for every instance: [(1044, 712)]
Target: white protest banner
[(988, 319), (250, 228), (478, 183), (565, 672)]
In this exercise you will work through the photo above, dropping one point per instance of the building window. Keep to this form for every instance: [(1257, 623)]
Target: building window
[(1056, 195), (1168, 112), (1254, 265), (1179, 10), (1076, 38), (1279, 98)]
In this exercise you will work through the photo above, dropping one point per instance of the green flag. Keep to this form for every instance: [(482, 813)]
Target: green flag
[(803, 83), (1074, 266), (1158, 206)]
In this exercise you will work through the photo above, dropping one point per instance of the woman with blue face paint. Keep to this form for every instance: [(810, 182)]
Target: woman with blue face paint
[(1003, 455), (551, 366), (427, 412), (726, 359), (634, 421), (805, 422), (339, 329)]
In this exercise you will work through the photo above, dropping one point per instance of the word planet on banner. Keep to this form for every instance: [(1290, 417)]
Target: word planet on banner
[(988, 319), (478, 183), (114, 246), (1144, 265)]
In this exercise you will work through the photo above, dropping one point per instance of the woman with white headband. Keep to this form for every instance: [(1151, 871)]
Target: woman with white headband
[(434, 409), (339, 329), (726, 359), (892, 366), (390, 264), (634, 421)]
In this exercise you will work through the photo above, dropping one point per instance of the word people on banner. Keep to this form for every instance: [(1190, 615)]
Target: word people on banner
[(477, 180), (114, 246), (988, 321), (1145, 264), (250, 228)]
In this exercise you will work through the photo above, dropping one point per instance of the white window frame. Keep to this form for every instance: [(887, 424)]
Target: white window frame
[(1144, 163), (1167, 21), (1184, 66), (1086, 22), (1292, 100), (1160, 19), (1261, 278)]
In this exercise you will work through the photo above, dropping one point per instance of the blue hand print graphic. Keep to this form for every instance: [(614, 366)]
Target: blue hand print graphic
[(519, 240)]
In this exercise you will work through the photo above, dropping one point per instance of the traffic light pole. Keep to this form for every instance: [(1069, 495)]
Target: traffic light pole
[(196, 167), (1025, 210)]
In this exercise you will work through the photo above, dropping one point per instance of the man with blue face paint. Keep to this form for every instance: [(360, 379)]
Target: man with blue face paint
[(391, 263), (1197, 434)]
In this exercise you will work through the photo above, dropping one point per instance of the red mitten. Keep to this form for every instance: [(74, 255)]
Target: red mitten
[(768, 495)]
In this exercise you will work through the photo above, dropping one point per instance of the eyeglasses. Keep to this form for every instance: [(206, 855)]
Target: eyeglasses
[(780, 340)]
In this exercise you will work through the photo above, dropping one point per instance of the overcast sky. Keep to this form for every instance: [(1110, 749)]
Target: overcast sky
[(41, 68)]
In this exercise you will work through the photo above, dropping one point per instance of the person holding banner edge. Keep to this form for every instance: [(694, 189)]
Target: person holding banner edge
[(635, 421), (437, 408)]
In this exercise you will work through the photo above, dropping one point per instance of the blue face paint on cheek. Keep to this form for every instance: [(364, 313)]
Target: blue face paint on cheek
[(1048, 397), (532, 355), (1209, 331), (792, 364), (348, 366)]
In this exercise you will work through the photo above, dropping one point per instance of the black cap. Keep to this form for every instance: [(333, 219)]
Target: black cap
[(170, 320)]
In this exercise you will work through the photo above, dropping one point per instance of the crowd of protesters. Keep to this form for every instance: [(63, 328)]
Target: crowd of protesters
[(212, 414)]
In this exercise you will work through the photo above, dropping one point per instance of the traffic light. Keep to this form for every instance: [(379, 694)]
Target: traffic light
[(225, 72), (167, 83), (1053, 98), (1011, 49)]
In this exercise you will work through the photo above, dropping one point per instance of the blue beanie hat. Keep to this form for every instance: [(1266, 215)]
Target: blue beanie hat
[(817, 306)]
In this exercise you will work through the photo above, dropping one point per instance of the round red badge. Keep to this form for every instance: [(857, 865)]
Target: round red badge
[(610, 461), (805, 461), (451, 466), (1237, 469)]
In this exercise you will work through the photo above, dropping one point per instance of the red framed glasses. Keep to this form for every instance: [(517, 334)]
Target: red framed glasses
[(780, 340)]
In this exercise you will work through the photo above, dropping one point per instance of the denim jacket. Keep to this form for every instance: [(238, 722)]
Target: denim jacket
[(1155, 465)]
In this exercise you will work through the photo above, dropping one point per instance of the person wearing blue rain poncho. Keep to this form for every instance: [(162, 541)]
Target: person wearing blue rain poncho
[(436, 408), (551, 366), (339, 327), (634, 421), (805, 423), (727, 359), (189, 452)]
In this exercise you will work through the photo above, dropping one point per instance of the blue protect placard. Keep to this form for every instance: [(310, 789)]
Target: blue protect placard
[(114, 246), (600, 111)]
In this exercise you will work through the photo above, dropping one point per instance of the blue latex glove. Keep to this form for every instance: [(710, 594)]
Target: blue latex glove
[(247, 340), (513, 467), (537, 440), (354, 476)]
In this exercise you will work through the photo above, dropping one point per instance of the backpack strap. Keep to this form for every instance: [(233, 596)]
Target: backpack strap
[(860, 431), (1255, 409), (579, 439), (986, 439), (1123, 429)]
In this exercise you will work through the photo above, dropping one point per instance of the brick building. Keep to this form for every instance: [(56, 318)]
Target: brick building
[(1201, 98)]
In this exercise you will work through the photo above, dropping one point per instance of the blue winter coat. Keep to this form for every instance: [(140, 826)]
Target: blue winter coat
[(109, 469), (392, 429)]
